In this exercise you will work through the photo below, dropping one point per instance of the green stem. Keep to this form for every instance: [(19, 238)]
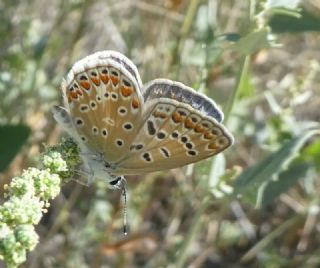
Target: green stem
[(182, 255), (184, 31), (245, 62), (269, 238)]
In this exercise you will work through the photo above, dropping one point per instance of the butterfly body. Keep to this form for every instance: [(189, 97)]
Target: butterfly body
[(124, 128)]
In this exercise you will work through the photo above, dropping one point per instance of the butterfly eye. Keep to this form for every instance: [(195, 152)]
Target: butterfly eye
[(116, 181)]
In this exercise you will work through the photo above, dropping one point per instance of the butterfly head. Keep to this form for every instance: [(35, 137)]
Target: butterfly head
[(102, 169)]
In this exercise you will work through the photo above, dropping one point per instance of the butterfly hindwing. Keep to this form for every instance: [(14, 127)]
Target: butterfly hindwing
[(174, 133)]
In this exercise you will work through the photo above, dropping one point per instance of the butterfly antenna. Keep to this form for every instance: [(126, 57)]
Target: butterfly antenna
[(124, 196)]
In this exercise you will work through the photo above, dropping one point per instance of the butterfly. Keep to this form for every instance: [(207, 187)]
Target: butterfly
[(124, 128)]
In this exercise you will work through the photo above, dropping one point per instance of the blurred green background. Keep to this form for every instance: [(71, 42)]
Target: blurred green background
[(256, 205)]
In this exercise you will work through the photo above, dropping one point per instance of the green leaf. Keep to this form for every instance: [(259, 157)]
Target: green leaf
[(12, 137), (289, 4), (231, 37), (269, 168), (312, 154), (286, 179), (246, 88), (253, 42), (280, 23)]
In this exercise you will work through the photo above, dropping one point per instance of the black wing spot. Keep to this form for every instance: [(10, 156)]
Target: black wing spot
[(128, 126), (83, 77), (175, 134), (79, 122), (139, 146), (165, 152), (119, 142), (84, 107), (184, 139), (192, 153), (161, 135), (189, 145), (126, 83), (151, 128), (147, 157), (136, 147), (194, 119), (122, 110), (93, 104), (114, 73), (182, 113), (114, 96)]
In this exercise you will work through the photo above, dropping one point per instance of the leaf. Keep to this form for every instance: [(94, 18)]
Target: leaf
[(246, 89), (289, 4), (253, 42), (280, 23), (12, 137), (269, 168), (285, 180), (231, 37), (312, 154)]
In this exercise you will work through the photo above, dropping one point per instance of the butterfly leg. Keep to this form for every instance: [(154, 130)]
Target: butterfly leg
[(84, 174)]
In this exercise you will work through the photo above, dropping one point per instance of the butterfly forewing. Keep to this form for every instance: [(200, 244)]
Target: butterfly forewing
[(105, 104)]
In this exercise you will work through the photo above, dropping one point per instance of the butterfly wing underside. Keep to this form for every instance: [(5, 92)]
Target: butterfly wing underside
[(178, 127), (102, 93)]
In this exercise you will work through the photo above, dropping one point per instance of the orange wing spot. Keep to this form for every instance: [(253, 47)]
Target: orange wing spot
[(159, 114), (126, 91), (176, 117), (189, 124), (115, 80), (162, 115), (208, 135), (79, 92), (135, 103), (73, 95), (105, 78), (213, 146), (95, 80), (85, 84), (199, 129)]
